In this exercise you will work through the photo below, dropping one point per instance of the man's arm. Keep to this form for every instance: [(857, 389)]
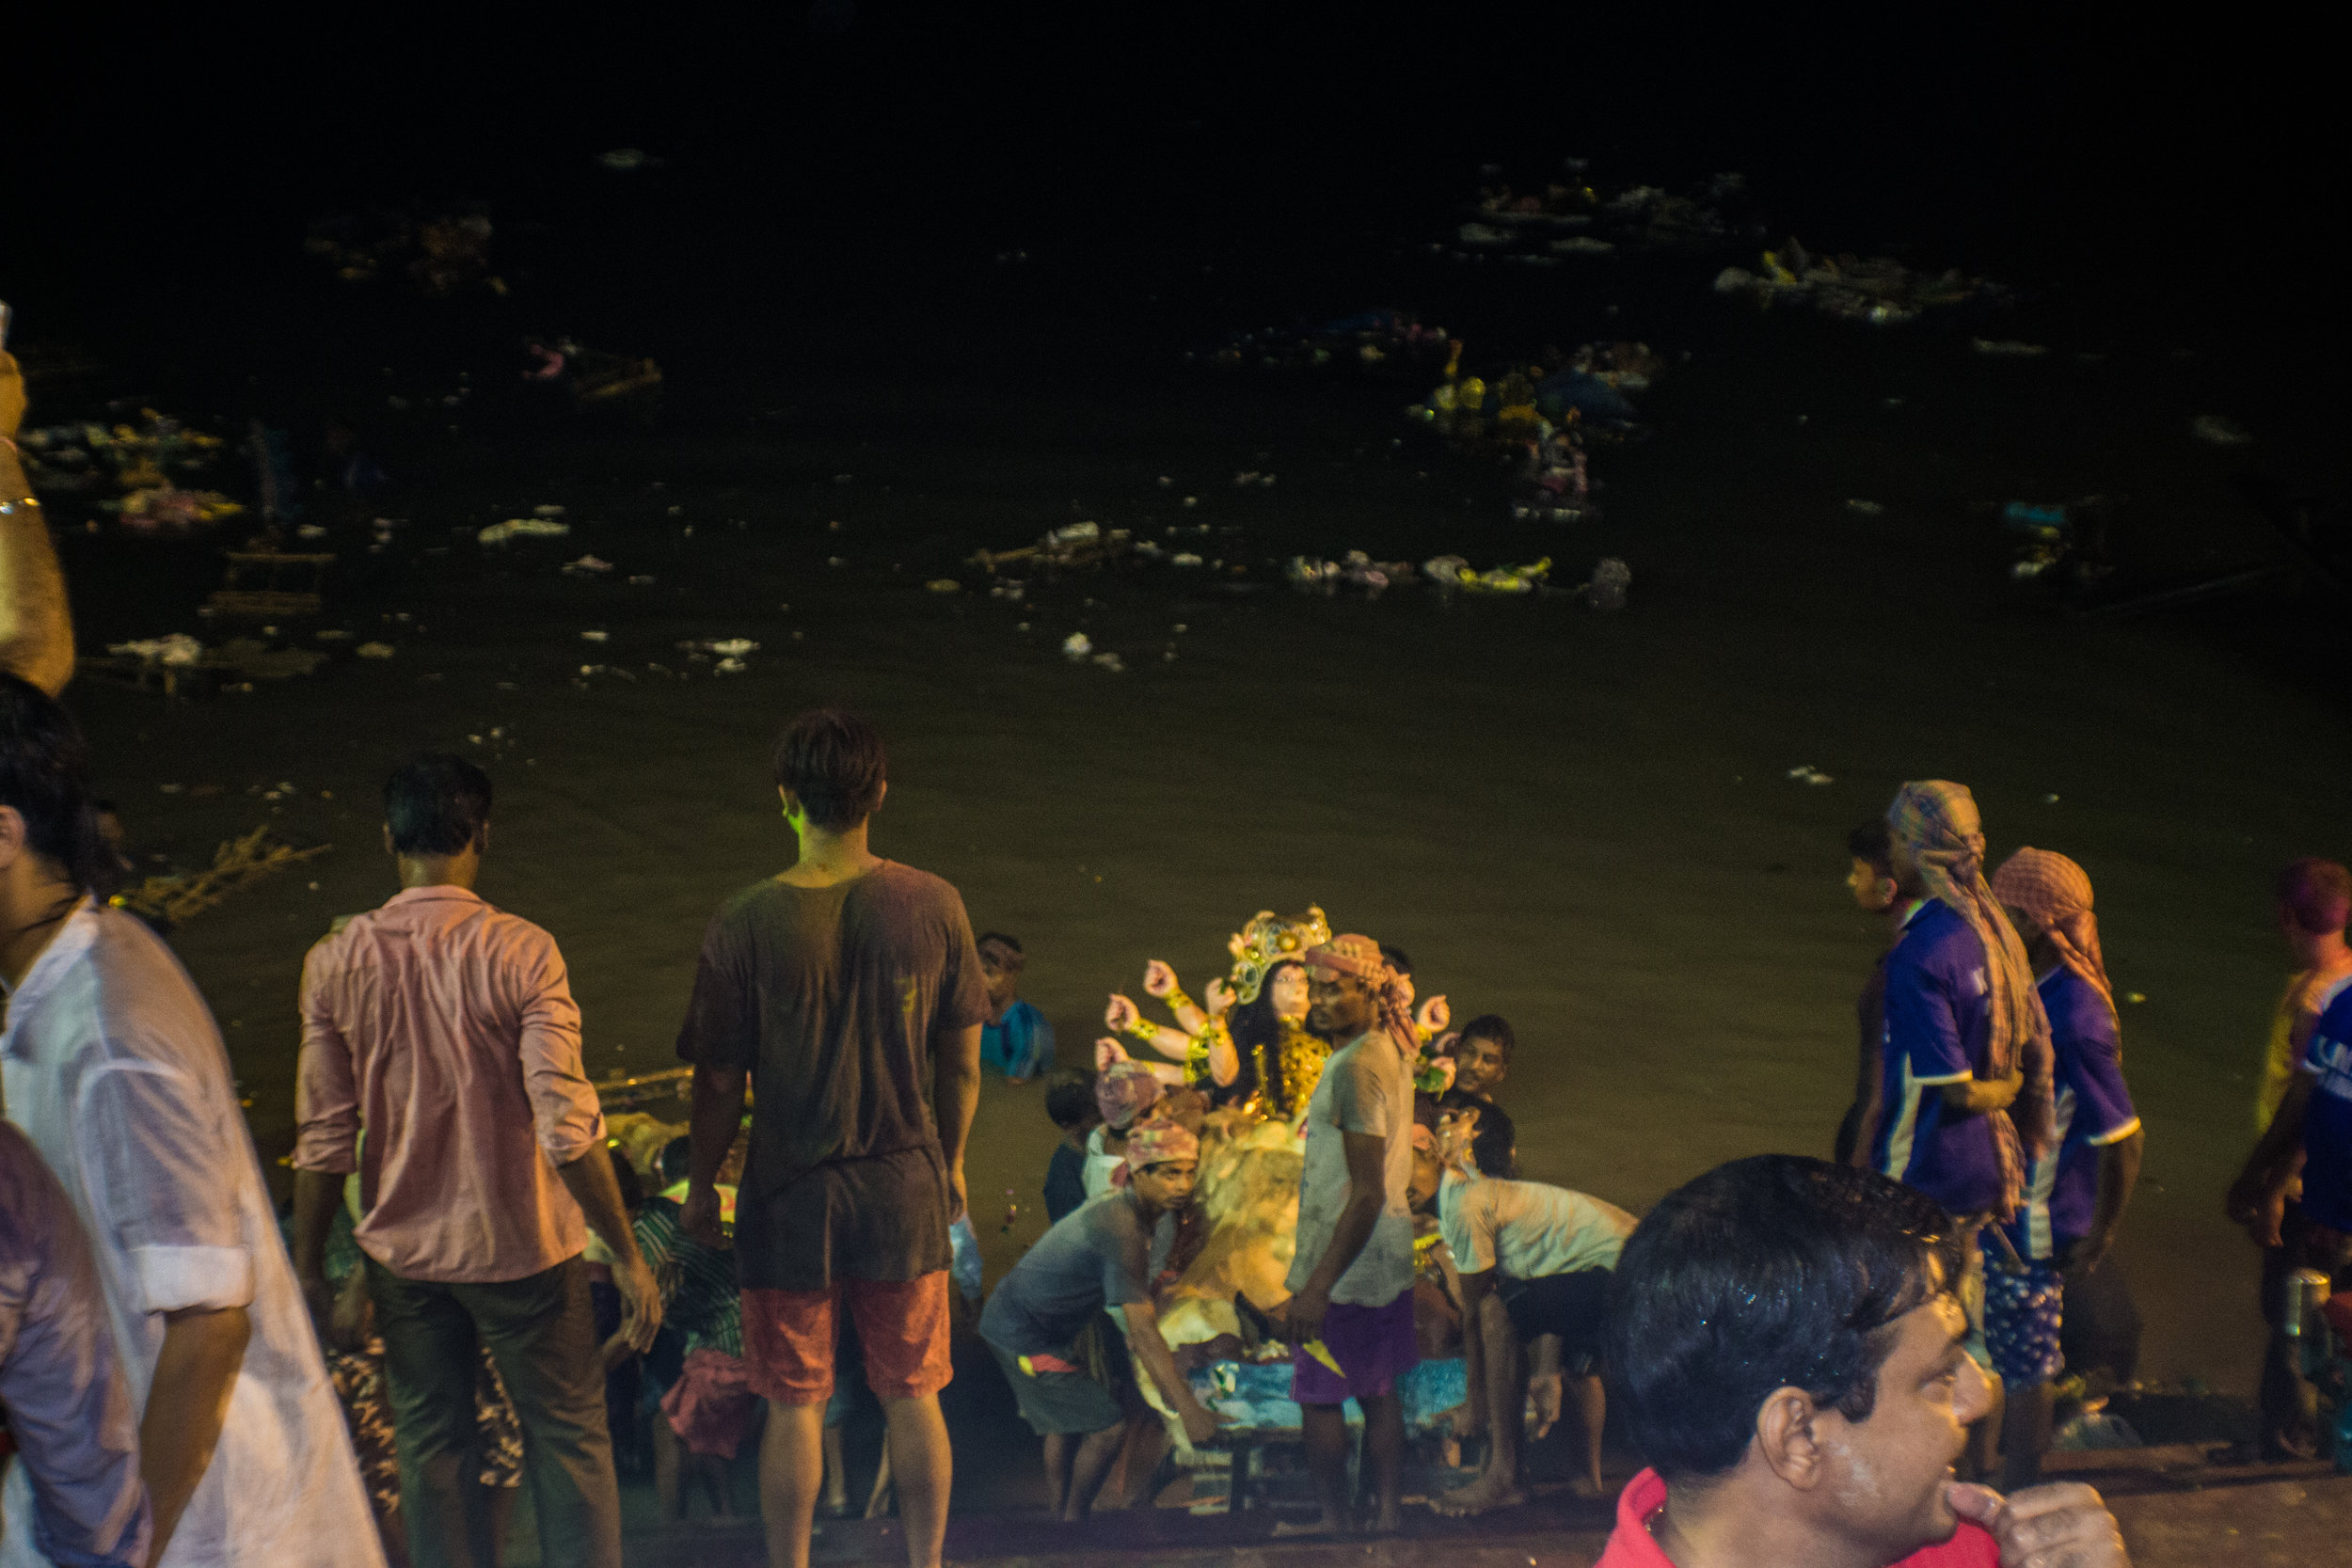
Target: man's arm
[(2118, 1173), (590, 1180), (1975, 1096), (315, 1195), (326, 1120), (1151, 1348), (36, 626), (2272, 1165), (187, 1404), (955, 1100), (1367, 1182), (716, 1118)]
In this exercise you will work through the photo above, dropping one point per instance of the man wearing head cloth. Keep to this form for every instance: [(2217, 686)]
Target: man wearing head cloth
[(1046, 1323), (1966, 1081), (1352, 1276), (1968, 1062), (1124, 1091), (2075, 1195)]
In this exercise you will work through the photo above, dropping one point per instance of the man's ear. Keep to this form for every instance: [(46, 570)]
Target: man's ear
[(12, 835), (1787, 1437), (387, 842), (481, 840), (882, 793)]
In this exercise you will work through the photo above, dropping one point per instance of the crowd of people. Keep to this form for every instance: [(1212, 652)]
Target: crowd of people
[(1311, 1167)]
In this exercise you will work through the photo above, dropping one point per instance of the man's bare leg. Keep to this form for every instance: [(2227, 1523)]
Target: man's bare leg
[(1384, 1452), (791, 1472), (1325, 1429), (1498, 1482), (1088, 1468), (1143, 1445), (878, 1501), (924, 1469), (1061, 1450), (1591, 1407), (836, 1475), (668, 1458)]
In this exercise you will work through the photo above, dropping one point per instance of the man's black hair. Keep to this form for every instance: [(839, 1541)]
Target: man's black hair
[(624, 1176), (1873, 844), (1495, 1027), (436, 804), (1014, 943), (676, 1161), (835, 762), (1070, 1099), (1395, 958), (1773, 1272), (1494, 1148), (44, 773)]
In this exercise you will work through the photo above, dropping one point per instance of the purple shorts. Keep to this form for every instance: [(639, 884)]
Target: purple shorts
[(1374, 1345)]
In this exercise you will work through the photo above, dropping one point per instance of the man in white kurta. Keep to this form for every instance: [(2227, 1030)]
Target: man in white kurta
[(114, 1069)]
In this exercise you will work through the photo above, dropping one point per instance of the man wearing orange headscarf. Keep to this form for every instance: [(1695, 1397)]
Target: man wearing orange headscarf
[(2076, 1194)]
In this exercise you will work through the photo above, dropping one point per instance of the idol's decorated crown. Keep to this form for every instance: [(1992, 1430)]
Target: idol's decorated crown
[(1270, 939)]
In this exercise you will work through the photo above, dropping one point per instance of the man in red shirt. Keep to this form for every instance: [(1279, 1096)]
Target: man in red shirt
[(1787, 1351)]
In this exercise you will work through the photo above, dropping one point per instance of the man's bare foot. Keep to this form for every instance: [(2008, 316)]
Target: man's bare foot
[(1589, 1487), (1488, 1491)]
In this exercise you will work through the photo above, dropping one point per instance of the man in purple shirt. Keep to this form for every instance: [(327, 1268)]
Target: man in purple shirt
[(76, 1471), (2074, 1197), (1933, 1133)]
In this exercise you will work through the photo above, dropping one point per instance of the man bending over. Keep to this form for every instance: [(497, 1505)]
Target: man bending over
[(1105, 1254), (1534, 1261)]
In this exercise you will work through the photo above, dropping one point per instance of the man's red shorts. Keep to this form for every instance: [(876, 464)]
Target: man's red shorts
[(902, 1331)]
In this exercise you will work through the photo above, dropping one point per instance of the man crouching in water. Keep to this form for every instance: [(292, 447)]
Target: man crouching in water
[(1786, 1349)]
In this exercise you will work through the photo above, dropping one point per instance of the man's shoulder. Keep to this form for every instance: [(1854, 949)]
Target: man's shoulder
[(355, 935), (2332, 1001), (2080, 1019), (137, 996), (904, 890), (1937, 932)]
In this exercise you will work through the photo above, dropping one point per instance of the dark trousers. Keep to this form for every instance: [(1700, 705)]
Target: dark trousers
[(541, 1332)]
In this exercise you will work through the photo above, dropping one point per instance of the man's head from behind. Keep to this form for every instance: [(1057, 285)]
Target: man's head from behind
[(2314, 900), (1070, 1101), (436, 807), (830, 770), (1872, 877), (48, 829), (1482, 1057), (1783, 1336)]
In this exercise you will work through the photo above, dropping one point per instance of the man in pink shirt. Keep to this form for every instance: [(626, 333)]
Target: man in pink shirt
[(1787, 1351), (441, 1059)]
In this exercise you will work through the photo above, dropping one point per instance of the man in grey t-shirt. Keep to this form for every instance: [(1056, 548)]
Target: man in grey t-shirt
[(846, 989), (1351, 1312), (1104, 1254)]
